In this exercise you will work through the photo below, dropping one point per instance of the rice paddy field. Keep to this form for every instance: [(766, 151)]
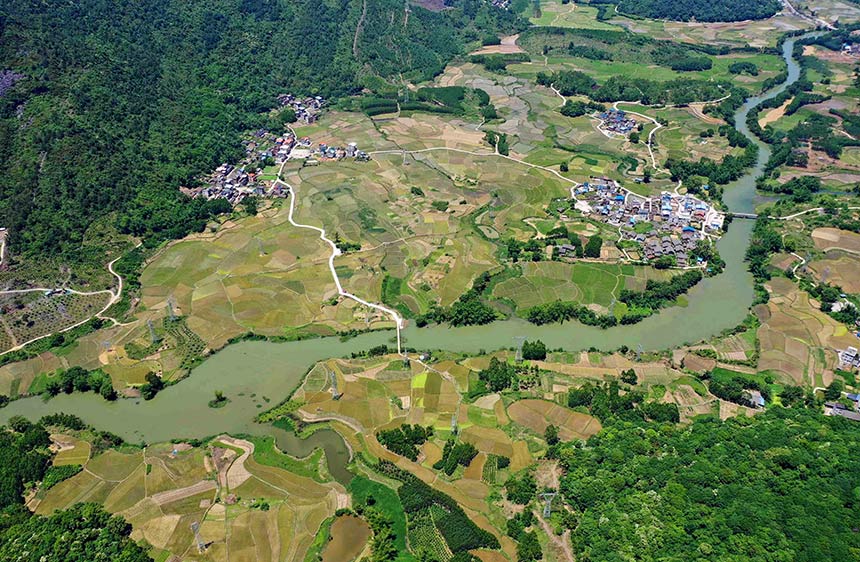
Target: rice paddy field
[(537, 415), (798, 341), (165, 488), (582, 282), (761, 33)]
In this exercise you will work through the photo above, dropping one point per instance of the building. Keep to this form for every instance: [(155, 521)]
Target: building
[(756, 399), (837, 409)]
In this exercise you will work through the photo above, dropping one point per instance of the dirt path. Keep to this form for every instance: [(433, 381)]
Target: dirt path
[(236, 473), (171, 496), (115, 296), (561, 543), (359, 28)]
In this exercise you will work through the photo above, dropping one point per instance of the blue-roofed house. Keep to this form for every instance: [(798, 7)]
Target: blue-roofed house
[(756, 398)]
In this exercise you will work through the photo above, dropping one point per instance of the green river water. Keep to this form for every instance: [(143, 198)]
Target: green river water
[(251, 372)]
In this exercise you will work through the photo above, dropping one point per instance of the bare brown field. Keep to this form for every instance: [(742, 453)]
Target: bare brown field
[(794, 335), (842, 269), (349, 534), (507, 46), (828, 238), (538, 414), (774, 114)]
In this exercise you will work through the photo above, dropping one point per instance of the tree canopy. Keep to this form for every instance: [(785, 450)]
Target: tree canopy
[(687, 10), (784, 485), (122, 102)]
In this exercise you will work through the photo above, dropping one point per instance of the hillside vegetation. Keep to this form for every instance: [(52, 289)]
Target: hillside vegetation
[(780, 486), (687, 10), (123, 102)]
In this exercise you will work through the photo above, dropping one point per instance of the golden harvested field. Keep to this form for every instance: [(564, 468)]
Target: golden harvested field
[(797, 339), (833, 238), (843, 270), (162, 490), (538, 414), (70, 450)]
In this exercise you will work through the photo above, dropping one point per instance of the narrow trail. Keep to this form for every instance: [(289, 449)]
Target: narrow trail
[(815, 210), (657, 127), (461, 151), (563, 99), (359, 28), (335, 251)]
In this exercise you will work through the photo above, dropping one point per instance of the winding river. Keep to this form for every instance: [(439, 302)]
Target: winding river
[(256, 375)]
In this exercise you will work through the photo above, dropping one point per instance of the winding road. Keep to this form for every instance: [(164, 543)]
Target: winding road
[(115, 296), (335, 251)]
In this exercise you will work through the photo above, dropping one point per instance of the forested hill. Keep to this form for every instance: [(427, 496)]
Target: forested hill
[(782, 486), (123, 101), (701, 10)]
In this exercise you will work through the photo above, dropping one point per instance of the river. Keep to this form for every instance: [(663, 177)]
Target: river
[(256, 375)]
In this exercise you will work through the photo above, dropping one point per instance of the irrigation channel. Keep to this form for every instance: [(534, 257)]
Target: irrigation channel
[(256, 375)]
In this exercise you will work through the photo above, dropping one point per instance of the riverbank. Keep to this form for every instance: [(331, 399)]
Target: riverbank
[(256, 373)]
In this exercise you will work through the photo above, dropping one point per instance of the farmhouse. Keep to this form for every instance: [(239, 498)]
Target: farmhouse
[(837, 409), (849, 358)]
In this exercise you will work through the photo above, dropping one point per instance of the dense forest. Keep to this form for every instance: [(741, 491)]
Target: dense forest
[(122, 102), (688, 10), (784, 485)]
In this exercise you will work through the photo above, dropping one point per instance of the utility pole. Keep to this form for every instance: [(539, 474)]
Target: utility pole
[(195, 528), (519, 340)]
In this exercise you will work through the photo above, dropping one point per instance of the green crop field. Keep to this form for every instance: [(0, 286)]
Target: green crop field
[(586, 283)]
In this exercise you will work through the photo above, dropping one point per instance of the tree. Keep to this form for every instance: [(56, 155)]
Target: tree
[(106, 390), (498, 375), (83, 532), (563, 167), (634, 137), (629, 377), (153, 386), (664, 262), (251, 204), (534, 350), (834, 390), (521, 489), (592, 248), (550, 435), (528, 548)]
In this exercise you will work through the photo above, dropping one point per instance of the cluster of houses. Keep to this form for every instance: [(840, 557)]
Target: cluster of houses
[(678, 221), (325, 152), (502, 4), (851, 49), (232, 183), (265, 146), (617, 121), (235, 182), (849, 358), (307, 109)]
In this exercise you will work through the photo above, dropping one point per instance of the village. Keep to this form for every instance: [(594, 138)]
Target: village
[(263, 149), (616, 121), (677, 222)]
